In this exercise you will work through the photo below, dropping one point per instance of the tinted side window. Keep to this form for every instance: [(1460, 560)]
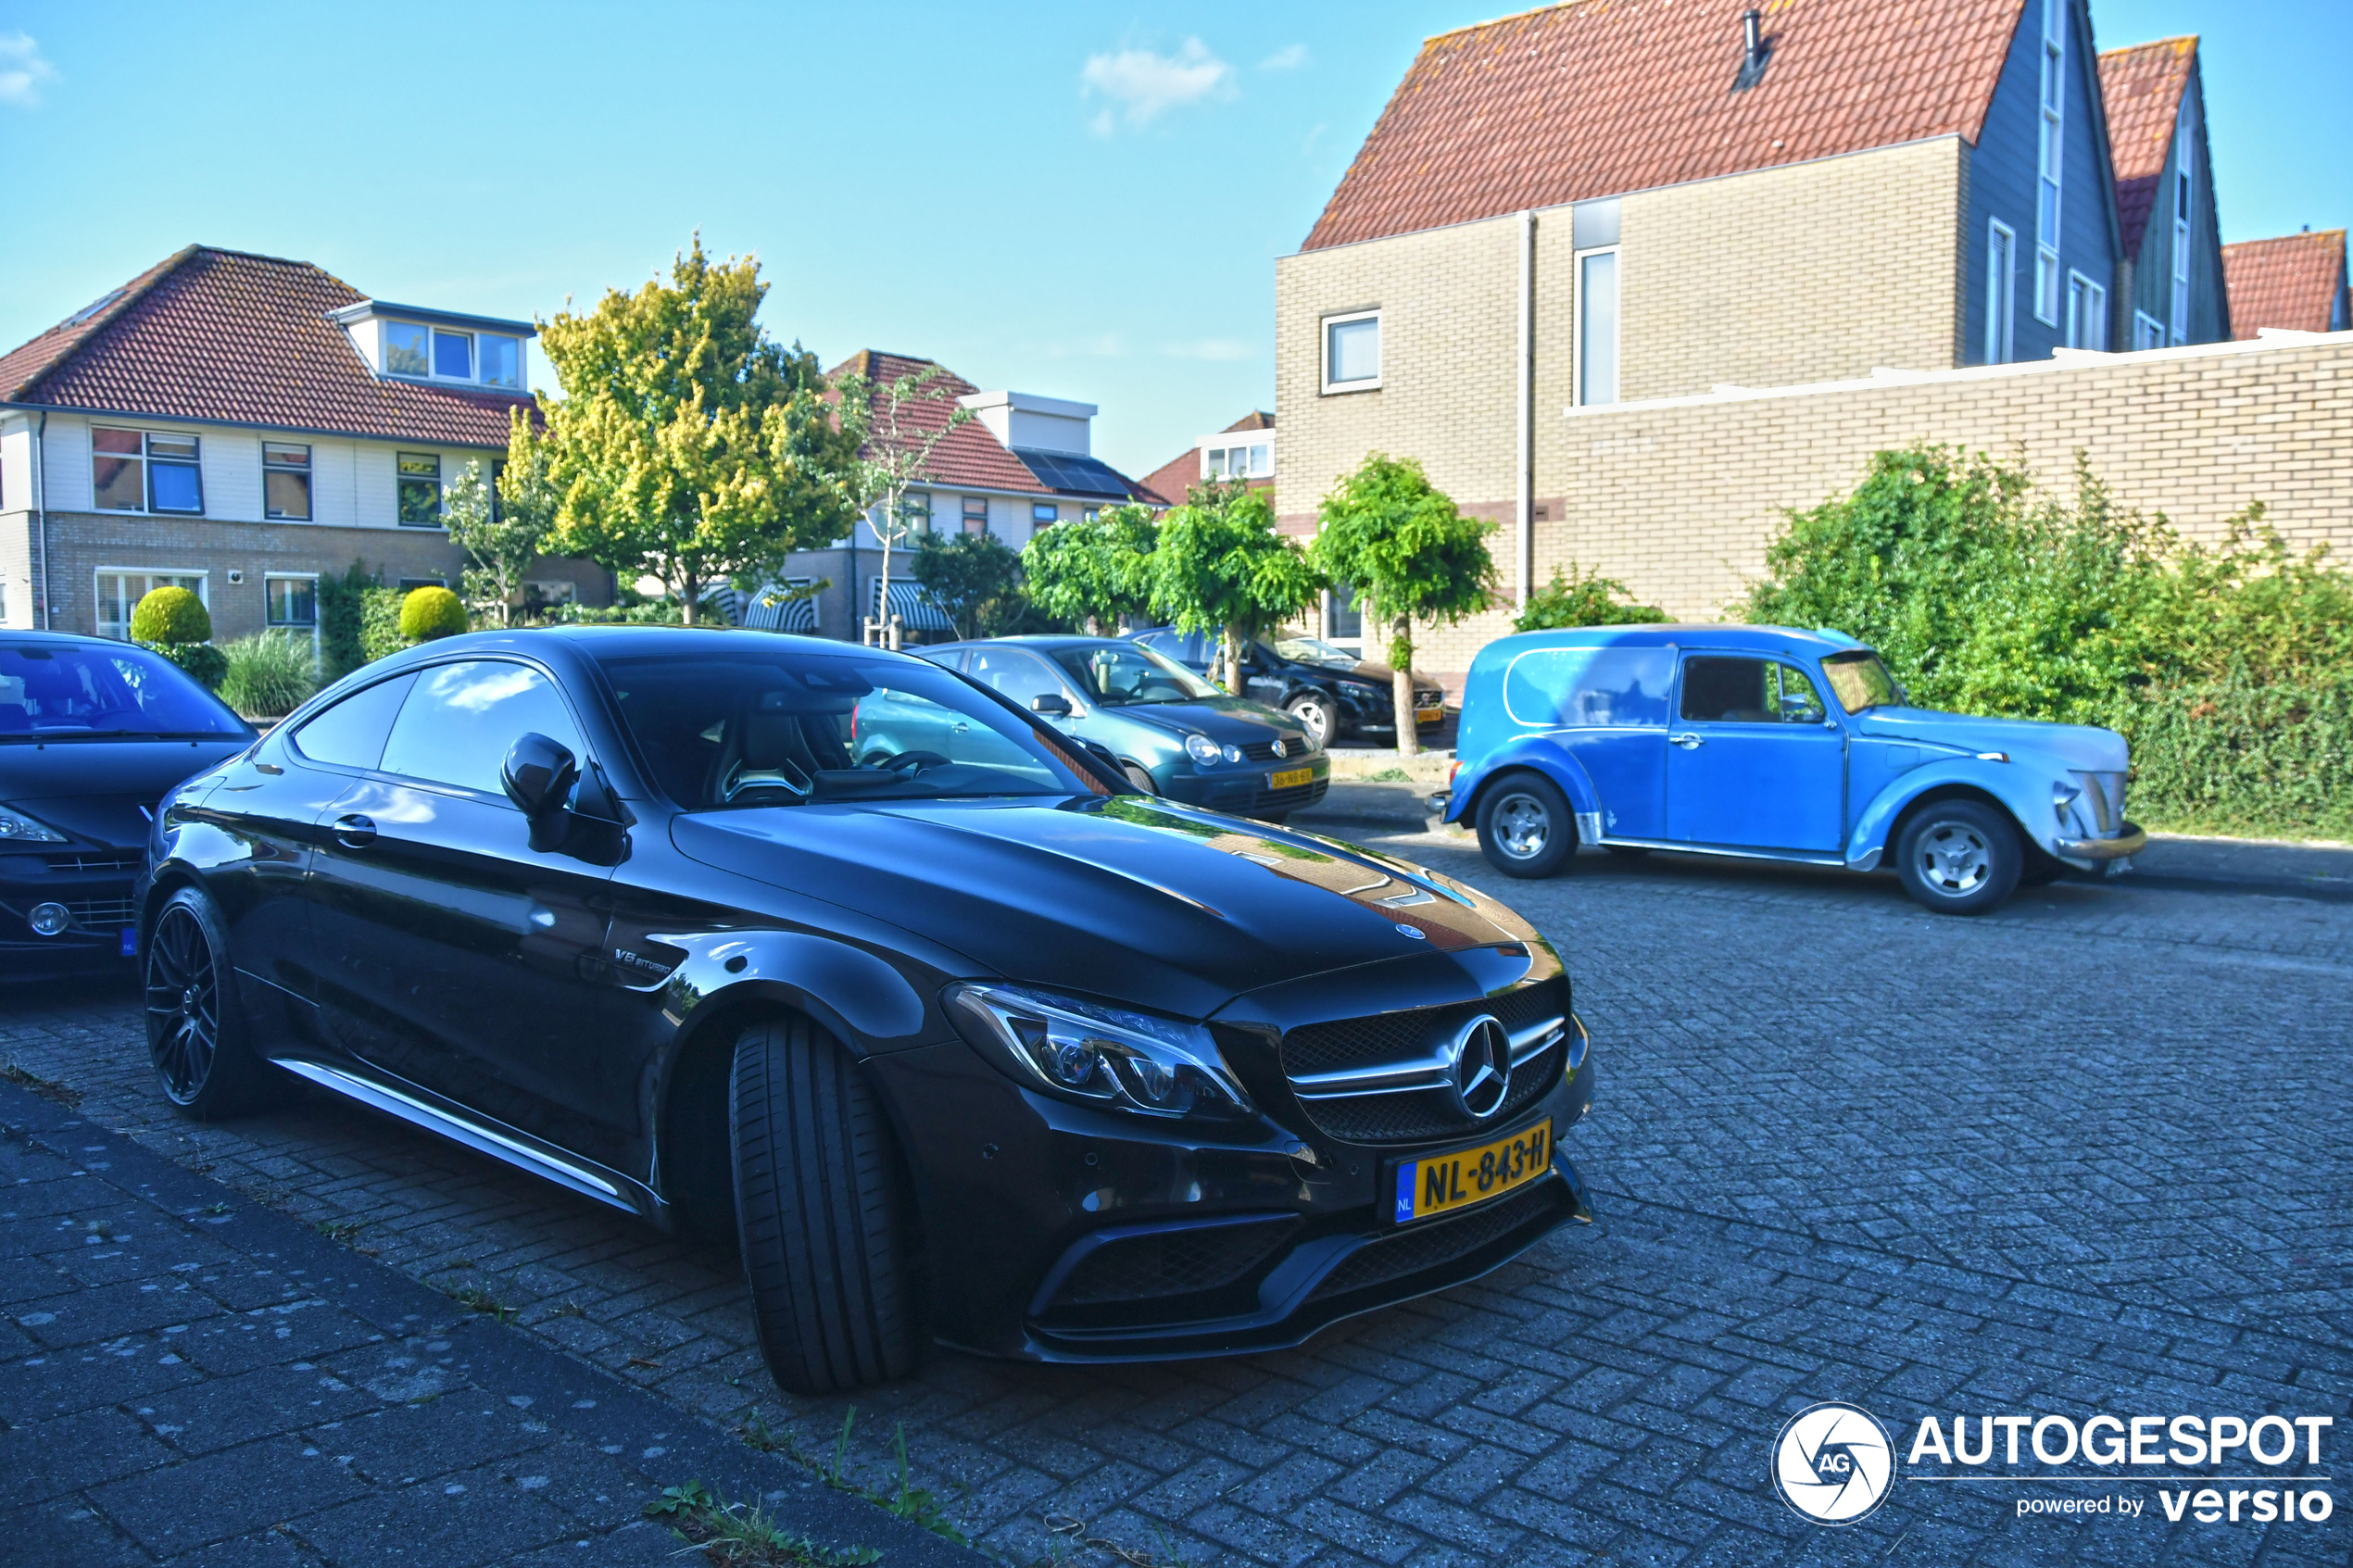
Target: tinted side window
[(1596, 688), (351, 734), (1017, 674), (1726, 691), (460, 719), (1800, 704)]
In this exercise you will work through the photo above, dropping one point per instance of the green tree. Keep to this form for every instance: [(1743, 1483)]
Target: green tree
[(1585, 598), (897, 425), (1412, 556), (503, 530), (975, 578), (1222, 566), (1096, 573), (689, 445)]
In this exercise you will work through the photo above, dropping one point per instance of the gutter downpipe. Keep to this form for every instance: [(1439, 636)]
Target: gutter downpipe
[(41, 517), (1526, 541)]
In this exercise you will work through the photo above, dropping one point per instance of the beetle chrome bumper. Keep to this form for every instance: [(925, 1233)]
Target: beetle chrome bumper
[(2130, 841)]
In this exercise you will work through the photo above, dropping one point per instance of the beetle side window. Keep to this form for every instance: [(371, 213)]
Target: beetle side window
[(1726, 691), (460, 719), (1796, 700), (352, 732), (1590, 688)]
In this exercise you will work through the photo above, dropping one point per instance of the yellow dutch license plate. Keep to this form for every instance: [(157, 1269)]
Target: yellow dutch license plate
[(1429, 715), (1290, 778), (1440, 1183)]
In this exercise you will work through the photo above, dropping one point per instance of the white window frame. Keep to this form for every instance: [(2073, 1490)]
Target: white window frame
[(309, 471), (1576, 327), (98, 599), (2147, 331), (1324, 325), (270, 625), (2086, 312), (2050, 107), (482, 370), (2184, 191), (2001, 292), (146, 460)]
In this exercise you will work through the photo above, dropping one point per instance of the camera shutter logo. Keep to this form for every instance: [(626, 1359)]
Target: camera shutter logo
[(1833, 1462)]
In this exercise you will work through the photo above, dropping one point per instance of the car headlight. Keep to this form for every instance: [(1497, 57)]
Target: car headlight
[(1098, 1055), (17, 828), (1203, 750)]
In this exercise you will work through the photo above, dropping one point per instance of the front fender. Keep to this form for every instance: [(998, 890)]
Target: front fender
[(1538, 752), (869, 1005), (2005, 782)]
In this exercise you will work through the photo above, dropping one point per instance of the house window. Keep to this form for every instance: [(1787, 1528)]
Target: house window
[(2053, 154), (133, 471), (914, 511), (419, 489), (453, 355), (291, 599), (2182, 232), (2147, 331), (1597, 328), (975, 514), (2001, 292), (2086, 313), (121, 589), (285, 482), (1042, 513), (1254, 461), (536, 592), (1352, 352), (501, 362), (407, 350), (1089, 514)]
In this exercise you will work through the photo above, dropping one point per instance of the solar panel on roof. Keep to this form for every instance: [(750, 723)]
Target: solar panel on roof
[(1065, 470)]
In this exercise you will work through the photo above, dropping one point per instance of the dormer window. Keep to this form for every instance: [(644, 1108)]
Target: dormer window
[(501, 362), (453, 355), (408, 349)]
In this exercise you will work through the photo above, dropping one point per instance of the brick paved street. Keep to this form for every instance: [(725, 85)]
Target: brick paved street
[(2090, 1153)]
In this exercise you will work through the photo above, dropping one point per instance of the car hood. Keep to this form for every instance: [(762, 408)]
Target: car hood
[(1221, 719), (1144, 900), (2086, 747), (98, 788), (1377, 675)]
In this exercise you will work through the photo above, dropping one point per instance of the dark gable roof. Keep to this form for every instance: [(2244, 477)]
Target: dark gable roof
[(970, 455), (223, 336), (1601, 97), (2290, 282), (2142, 87)]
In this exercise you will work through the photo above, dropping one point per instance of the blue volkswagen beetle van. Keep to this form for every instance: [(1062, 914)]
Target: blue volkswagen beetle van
[(1776, 744)]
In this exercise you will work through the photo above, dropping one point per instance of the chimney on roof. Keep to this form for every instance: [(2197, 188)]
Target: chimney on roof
[(1755, 50)]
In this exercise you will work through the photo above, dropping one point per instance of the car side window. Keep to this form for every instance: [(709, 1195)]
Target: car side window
[(1726, 691), (460, 719), (1016, 674), (1796, 702), (352, 732)]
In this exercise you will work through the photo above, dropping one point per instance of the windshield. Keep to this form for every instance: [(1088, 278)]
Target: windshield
[(1313, 650), (785, 728), (1860, 680), (68, 691), (1116, 674)]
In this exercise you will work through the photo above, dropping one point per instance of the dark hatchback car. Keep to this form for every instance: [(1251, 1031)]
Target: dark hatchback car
[(93, 733), (993, 1050), (1330, 691), (1172, 733)]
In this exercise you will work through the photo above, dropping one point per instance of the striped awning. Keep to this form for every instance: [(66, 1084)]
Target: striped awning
[(772, 610), (917, 610)]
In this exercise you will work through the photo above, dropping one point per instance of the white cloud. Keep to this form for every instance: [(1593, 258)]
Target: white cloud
[(22, 69), (1143, 84), (1290, 58), (1219, 349)]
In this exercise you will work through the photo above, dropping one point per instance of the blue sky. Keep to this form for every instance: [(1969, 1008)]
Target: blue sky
[(1078, 200)]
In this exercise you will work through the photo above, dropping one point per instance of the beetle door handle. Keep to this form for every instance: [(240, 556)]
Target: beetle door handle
[(355, 831), (1688, 741)]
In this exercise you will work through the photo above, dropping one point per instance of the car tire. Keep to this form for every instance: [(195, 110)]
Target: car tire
[(822, 1213), (1524, 826), (1319, 715), (197, 1038), (1959, 857), (1139, 778)]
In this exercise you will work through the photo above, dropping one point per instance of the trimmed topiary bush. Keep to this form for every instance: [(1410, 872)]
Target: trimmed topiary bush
[(428, 613), (169, 617), (269, 674)]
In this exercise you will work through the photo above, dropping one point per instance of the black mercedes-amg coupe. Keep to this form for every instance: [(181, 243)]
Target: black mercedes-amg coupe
[(967, 1039)]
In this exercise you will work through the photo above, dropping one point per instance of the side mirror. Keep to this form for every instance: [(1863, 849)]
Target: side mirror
[(538, 774), (1051, 702)]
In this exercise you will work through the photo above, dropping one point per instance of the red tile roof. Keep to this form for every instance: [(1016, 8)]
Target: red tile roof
[(221, 335), (1599, 98), (1166, 484), (2142, 87), (2294, 280), (969, 455)]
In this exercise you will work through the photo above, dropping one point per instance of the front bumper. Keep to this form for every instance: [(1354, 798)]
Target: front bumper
[(1246, 789), (93, 885), (2130, 841), (1204, 1242)]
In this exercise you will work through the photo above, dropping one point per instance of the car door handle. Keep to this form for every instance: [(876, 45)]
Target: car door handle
[(1688, 742), (355, 831)]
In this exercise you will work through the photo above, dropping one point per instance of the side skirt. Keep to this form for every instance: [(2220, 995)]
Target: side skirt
[(1788, 857)]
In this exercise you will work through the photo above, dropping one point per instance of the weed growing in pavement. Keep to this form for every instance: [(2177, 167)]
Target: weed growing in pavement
[(341, 1230), (47, 1089), (1389, 775), (215, 1208), (729, 1532), (917, 1505), (473, 1297), (1066, 1531)]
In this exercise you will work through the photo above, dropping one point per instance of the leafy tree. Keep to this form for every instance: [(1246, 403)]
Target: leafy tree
[(1096, 573), (896, 439), (1222, 566), (689, 445), (341, 601), (975, 578), (504, 531), (1584, 598), (427, 613), (1413, 557)]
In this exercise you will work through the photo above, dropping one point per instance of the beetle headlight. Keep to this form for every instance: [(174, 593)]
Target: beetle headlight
[(1094, 1054), (1203, 750), (17, 828)]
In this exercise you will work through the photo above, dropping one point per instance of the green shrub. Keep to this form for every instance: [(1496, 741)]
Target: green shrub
[(269, 674), (201, 662), (340, 599), (2242, 756), (428, 613), (169, 617), (1584, 598), (380, 623)]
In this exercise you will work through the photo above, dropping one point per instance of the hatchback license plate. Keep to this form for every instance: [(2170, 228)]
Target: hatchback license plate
[(1440, 1183), (1290, 778), (1429, 715)]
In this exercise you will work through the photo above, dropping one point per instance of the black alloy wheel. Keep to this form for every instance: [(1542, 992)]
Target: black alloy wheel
[(196, 1036)]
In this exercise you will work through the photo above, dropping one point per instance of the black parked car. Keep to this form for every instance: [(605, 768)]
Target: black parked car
[(1330, 691), (92, 732), (990, 1048)]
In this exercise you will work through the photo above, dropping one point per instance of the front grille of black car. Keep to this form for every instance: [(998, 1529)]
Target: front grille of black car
[(94, 861), (1297, 797), (1184, 1262), (1434, 1244), (1421, 1115), (102, 914)]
